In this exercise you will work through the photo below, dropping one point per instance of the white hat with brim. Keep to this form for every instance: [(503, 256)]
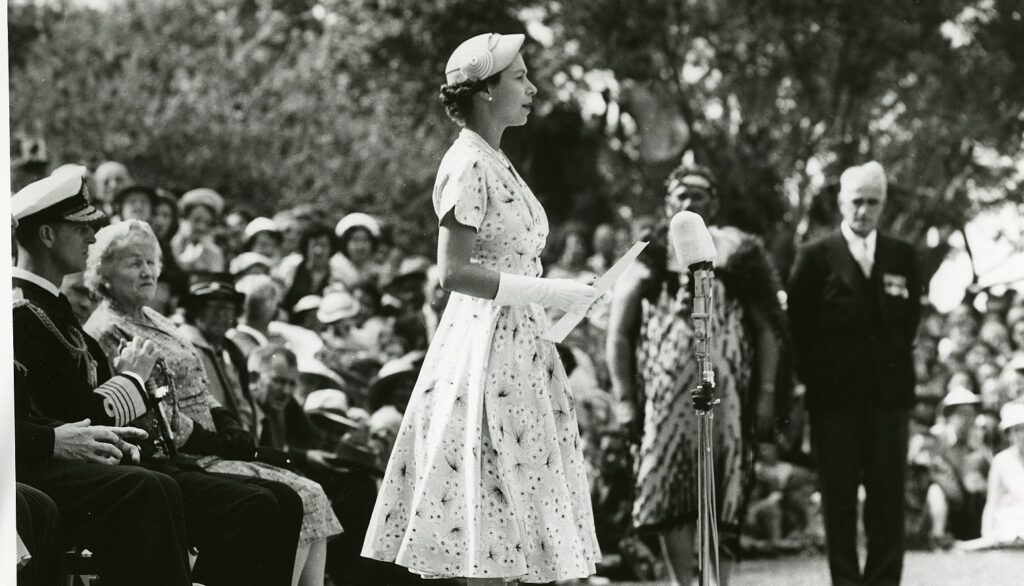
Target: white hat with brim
[(260, 224), (866, 178), (1017, 362), (482, 56), (248, 260), (358, 220), (307, 303), (337, 305), (391, 370), (201, 196), (1011, 415), (63, 196), (960, 396), (331, 404)]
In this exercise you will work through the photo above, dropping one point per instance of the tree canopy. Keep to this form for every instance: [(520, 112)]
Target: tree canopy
[(276, 102)]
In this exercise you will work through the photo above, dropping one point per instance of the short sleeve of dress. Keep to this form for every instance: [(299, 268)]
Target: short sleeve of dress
[(464, 189)]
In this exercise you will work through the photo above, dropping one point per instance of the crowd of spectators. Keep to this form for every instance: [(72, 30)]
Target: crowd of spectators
[(331, 323)]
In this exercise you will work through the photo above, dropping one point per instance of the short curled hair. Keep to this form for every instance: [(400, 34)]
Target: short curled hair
[(111, 240), (457, 98)]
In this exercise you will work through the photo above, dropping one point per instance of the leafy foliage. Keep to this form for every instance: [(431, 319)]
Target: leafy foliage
[(279, 102)]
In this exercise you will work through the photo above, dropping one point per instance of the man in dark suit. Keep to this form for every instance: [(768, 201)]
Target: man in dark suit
[(854, 305), (138, 519)]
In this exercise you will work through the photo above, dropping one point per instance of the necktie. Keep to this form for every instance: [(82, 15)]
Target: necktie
[(864, 258)]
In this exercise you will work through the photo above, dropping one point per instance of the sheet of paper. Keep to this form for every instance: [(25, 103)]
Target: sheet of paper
[(563, 326)]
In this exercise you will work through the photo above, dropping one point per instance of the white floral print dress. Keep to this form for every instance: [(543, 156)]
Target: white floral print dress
[(487, 476)]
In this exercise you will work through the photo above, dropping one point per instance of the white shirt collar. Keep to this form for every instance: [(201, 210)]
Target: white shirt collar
[(20, 273), (852, 237)]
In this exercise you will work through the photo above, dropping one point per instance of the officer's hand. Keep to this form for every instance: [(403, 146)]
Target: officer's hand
[(80, 442), (137, 356)]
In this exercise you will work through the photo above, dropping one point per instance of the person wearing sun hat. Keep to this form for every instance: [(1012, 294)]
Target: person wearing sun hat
[(954, 499), (193, 245), (358, 240), (488, 369), (264, 236), (1002, 522)]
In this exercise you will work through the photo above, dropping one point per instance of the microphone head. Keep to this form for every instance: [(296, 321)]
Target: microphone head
[(691, 239)]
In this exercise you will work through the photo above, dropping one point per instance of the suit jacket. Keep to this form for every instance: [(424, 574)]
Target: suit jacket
[(853, 334), (51, 385)]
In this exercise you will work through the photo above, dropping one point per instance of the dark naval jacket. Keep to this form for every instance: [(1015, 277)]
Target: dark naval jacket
[(52, 383)]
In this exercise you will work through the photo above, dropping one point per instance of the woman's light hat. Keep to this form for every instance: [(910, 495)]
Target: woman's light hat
[(1011, 415), (201, 196), (960, 396), (482, 56), (260, 224), (248, 260), (357, 220), (337, 305)]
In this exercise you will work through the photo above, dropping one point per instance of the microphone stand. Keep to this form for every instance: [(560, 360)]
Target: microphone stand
[(704, 400)]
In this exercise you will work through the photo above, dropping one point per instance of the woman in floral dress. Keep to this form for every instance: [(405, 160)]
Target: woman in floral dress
[(486, 480)]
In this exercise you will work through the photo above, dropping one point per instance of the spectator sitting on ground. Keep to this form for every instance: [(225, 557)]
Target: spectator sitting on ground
[(193, 245), (956, 494), (1003, 519), (778, 518)]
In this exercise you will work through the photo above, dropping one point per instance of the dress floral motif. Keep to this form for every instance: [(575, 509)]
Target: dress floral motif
[(487, 474), (192, 400)]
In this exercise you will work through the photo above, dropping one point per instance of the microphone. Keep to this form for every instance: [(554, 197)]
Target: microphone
[(695, 249), (691, 240)]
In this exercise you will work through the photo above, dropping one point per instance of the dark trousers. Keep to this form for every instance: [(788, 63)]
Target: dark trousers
[(246, 529), (38, 522), (352, 495), (131, 517), (869, 447)]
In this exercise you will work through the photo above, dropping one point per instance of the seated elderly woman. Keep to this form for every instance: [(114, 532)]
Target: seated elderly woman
[(122, 267)]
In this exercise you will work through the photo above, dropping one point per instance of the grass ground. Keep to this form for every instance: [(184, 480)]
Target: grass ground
[(995, 568)]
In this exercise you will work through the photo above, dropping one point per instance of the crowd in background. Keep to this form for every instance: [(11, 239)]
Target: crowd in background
[(358, 313)]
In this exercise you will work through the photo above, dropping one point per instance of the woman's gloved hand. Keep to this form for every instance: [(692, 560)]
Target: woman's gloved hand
[(565, 294)]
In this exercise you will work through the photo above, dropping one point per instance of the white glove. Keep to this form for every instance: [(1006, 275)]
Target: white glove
[(564, 294)]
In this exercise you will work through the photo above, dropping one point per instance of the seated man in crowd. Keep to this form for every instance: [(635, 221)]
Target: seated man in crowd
[(352, 489), (138, 520)]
